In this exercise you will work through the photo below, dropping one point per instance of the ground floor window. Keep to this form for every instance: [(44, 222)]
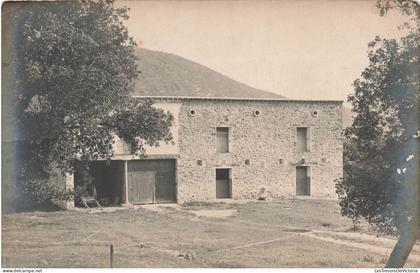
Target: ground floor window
[(303, 181), (223, 183)]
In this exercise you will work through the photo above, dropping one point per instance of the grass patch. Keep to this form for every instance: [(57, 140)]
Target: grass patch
[(272, 233)]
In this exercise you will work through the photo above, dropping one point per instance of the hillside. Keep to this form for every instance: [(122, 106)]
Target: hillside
[(164, 74)]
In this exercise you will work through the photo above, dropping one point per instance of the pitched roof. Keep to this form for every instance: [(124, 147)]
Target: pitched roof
[(164, 74)]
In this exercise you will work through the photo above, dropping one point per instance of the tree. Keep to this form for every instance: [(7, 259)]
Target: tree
[(381, 170), (75, 72)]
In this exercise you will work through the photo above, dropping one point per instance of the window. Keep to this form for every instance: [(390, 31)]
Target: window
[(222, 145), (302, 139)]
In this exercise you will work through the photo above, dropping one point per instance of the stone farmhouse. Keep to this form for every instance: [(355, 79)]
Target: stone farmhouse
[(230, 141), (231, 148)]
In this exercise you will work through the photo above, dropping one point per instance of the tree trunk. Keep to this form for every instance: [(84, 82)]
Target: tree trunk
[(411, 232), (403, 247)]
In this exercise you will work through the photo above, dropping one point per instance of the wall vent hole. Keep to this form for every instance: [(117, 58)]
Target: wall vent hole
[(192, 112)]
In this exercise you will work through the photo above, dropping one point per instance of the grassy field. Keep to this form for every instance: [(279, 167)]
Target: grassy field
[(283, 233)]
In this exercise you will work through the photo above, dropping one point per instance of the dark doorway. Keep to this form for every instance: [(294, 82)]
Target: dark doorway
[(303, 181), (151, 181), (223, 183), (107, 177)]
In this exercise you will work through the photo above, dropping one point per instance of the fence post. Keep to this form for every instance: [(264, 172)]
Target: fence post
[(111, 256)]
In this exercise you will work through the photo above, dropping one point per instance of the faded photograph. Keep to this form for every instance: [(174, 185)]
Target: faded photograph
[(210, 134)]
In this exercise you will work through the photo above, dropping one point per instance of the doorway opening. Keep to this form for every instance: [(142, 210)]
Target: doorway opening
[(303, 181), (223, 183), (105, 180)]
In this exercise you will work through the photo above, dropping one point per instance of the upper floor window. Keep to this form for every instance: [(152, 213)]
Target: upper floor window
[(222, 145), (302, 143)]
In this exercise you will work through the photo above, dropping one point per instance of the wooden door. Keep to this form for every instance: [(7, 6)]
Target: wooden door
[(302, 181), (141, 187), (151, 181), (165, 186), (223, 188)]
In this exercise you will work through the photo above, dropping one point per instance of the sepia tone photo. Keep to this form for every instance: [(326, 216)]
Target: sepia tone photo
[(210, 134)]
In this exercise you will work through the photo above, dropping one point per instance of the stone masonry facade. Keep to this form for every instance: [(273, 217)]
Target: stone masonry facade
[(262, 149)]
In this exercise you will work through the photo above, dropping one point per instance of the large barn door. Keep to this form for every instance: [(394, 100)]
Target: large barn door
[(151, 181), (165, 186), (141, 187)]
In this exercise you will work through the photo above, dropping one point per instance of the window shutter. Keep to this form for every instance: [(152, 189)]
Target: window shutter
[(222, 145)]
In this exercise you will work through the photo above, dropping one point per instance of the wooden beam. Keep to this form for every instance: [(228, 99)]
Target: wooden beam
[(125, 186)]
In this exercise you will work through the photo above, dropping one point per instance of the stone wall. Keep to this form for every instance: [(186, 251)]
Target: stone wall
[(268, 141)]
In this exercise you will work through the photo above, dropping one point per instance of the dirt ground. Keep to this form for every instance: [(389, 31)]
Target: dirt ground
[(281, 233)]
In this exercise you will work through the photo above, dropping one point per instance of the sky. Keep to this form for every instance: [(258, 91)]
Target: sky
[(299, 49)]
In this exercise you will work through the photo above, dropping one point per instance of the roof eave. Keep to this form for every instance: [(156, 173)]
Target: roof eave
[(234, 99)]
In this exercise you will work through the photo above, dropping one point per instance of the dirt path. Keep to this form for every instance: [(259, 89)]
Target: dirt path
[(348, 240), (371, 243)]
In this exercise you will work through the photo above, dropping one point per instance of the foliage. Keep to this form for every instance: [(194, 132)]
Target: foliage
[(75, 71), (407, 7), (381, 164)]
